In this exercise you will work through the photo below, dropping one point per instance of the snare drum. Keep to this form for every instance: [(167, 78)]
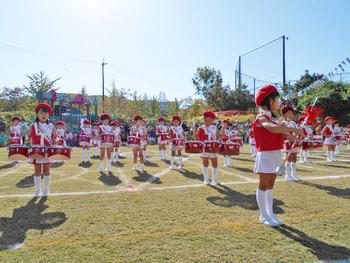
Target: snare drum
[(177, 143), (307, 145), (18, 152), (37, 152), (15, 141), (340, 138), (287, 146), (237, 140), (229, 149), (134, 141), (107, 140), (59, 153), (194, 147), (163, 137), (211, 147), (317, 144)]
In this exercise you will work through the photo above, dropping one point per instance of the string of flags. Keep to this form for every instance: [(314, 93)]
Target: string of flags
[(341, 67)]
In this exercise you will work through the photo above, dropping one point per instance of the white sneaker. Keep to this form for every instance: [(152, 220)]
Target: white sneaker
[(214, 182), (134, 167), (100, 168), (46, 193), (269, 221), (329, 160), (206, 182), (278, 221), (172, 167), (294, 178), (288, 178), (37, 194), (180, 166)]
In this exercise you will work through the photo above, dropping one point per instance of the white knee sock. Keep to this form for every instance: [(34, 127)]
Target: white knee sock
[(269, 202), (47, 180), (215, 178), (37, 185), (180, 160), (306, 154), (261, 200), (161, 154), (172, 160), (83, 155), (205, 174), (229, 163), (288, 169), (88, 154), (293, 170), (108, 167)]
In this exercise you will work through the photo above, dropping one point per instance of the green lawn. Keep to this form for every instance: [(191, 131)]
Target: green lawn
[(164, 215)]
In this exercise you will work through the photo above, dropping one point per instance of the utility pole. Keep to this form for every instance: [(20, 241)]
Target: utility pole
[(284, 59), (103, 84), (239, 72)]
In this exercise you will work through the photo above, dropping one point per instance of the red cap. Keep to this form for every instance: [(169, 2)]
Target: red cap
[(59, 123), (287, 108), (86, 121), (209, 114), (348, 126), (113, 123), (176, 118), (105, 116), (16, 118), (138, 117), (328, 118), (336, 122), (225, 121), (95, 123), (161, 119), (44, 106), (263, 93), (318, 123)]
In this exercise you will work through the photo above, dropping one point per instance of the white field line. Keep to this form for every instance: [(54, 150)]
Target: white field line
[(13, 170), (229, 173), (309, 178)]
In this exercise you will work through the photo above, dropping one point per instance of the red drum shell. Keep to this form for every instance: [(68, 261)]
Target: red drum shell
[(59, 153), (193, 147), (229, 149), (19, 152)]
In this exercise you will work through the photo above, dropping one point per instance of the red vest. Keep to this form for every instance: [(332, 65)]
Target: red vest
[(266, 140), (41, 138)]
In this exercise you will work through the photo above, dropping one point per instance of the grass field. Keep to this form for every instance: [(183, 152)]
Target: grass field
[(167, 215)]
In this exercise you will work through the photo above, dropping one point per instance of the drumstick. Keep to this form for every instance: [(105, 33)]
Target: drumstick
[(281, 169)]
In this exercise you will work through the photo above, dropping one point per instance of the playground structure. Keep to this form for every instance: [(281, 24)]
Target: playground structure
[(72, 108)]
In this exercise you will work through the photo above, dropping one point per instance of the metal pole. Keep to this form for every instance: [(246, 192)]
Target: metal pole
[(239, 72), (284, 60), (254, 96), (103, 84)]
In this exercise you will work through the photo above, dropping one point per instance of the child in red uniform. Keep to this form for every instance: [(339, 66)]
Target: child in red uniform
[(84, 141), (328, 132), (177, 137), (139, 131), (269, 136), (116, 130), (95, 142), (106, 145), (161, 133), (15, 131), (291, 168), (42, 133), (209, 133)]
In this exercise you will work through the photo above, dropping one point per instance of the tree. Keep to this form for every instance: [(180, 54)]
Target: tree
[(39, 84), (174, 107), (12, 99), (240, 99), (208, 83)]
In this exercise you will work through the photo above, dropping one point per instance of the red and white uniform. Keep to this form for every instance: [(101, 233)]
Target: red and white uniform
[(116, 132), (208, 134), (16, 134), (95, 133), (105, 130), (251, 137), (85, 136), (139, 132), (60, 140), (328, 130), (161, 130), (41, 135), (176, 135), (290, 124), (268, 145)]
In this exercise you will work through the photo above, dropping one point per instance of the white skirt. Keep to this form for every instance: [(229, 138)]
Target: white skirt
[(329, 141), (252, 141), (267, 161), (209, 155)]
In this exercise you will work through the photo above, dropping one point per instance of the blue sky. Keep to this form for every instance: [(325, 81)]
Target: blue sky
[(156, 45)]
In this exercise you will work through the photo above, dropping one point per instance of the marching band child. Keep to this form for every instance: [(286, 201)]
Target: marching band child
[(269, 136), (60, 130), (209, 133), (84, 141), (105, 142), (177, 137), (318, 128), (161, 133), (95, 142), (252, 142), (145, 142), (43, 134), (139, 131), (328, 132), (227, 133), (337, 131), (16, 131), (291, 168), (116, 130)]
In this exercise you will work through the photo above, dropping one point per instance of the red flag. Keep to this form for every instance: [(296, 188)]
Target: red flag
[(311, 113)]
